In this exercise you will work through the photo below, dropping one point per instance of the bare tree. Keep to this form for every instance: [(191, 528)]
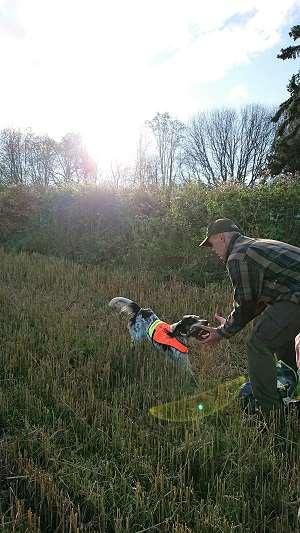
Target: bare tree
[(41, 160), (146, 167), (120, 175), (226, 145), (26, 158), (14, 148), (72, 162), (168, 134)]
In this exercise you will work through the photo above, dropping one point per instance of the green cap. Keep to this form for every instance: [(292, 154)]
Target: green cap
[(222, 225)]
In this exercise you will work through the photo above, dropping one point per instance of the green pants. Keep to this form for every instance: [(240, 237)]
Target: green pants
[(274, 332)]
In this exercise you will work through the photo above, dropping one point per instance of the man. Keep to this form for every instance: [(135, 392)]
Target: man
[(265, 276)]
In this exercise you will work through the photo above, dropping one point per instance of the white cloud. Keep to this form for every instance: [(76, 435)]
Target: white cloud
[(102, 67)]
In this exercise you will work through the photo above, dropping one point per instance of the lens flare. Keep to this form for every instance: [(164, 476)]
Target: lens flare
[(200, 405)]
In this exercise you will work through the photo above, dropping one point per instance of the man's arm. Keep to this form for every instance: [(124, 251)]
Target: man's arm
[(246, 281)]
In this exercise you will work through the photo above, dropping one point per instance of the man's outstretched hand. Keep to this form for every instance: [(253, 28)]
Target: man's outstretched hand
[(220, 319), (214, 336)]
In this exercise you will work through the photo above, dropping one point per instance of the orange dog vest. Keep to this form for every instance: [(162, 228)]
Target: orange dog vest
[(159, 332)]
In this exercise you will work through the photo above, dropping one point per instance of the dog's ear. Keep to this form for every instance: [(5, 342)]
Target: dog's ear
[(124, 305), (175, 329)]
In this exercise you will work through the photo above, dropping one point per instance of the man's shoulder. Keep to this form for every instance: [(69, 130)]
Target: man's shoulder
[(269, 249), (261, 250), (240, 248)]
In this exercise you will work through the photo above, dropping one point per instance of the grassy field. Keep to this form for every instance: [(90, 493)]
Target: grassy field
[(79, 451)]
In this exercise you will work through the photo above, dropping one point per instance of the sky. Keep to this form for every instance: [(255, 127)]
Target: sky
[(102, 68)]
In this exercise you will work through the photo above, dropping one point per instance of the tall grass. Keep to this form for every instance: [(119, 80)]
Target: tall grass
[(79, 451)]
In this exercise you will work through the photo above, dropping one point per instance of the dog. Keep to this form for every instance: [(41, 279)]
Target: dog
[(172, 339)]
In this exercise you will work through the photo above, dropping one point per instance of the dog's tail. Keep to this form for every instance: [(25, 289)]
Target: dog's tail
[(124, 305)]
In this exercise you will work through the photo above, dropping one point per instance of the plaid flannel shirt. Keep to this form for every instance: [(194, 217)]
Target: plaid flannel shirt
[(262, 272)]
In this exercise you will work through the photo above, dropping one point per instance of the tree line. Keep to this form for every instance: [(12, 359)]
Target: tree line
[(247, 146), (215, 147), (29, 159), (219, 146)]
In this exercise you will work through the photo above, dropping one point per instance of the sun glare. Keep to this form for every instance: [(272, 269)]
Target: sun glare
[(108, 147)]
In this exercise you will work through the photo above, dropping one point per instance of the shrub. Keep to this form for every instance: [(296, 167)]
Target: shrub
[(151, 229)]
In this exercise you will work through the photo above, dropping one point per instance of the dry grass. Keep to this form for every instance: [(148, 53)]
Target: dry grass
[(79, 451)]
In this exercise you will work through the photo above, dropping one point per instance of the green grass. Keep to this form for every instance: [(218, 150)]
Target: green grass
[(79, 451)]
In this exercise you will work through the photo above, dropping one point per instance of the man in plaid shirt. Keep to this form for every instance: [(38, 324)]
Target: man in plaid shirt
[(265, 276)]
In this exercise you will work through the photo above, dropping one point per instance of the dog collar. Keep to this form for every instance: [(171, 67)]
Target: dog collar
[(153, 326)]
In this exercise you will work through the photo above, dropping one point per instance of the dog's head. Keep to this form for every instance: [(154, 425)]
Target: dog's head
[(190, 326)]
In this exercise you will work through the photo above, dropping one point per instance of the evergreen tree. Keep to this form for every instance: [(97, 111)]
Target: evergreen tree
[(285, 156)]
